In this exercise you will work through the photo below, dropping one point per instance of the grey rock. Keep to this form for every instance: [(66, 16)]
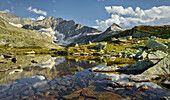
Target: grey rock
[(161, 68), (114, 39), (120, 84), (156, 55), (153, 37), (134, 78), (153, 44), (139, 66), (143, 88), (166, 83), (129, 37), (138, 34), (101, 45), (141, 54), (122, 39)]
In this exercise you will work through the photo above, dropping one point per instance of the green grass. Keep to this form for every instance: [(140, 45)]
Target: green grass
[(159, 31), (21, 37)]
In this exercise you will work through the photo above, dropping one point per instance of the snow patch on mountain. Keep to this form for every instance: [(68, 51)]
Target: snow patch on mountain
[(17, 25), (49, 32)]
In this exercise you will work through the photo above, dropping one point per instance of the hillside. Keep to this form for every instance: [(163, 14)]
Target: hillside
[(19, 37), (145, 31)]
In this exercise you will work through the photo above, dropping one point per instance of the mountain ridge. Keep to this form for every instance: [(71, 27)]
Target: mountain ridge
[(63, 31)]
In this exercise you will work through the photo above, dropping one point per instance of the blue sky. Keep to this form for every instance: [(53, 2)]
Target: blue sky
[(86, 12)]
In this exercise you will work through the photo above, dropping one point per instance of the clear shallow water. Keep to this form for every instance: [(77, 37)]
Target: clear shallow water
[(68, 79)]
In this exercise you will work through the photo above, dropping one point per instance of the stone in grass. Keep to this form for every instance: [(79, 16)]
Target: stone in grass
[(101, 45), (153, 44)]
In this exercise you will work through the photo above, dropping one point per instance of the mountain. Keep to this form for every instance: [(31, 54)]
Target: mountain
[(19, 37), (145, 31), (113, 29), (62, 31)]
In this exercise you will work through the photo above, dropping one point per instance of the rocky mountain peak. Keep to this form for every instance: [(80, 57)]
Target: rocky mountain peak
[(114, 27)]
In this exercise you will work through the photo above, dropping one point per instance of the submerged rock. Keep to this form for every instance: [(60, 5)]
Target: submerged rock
[(120, 84), (143, 88), (134, 78)]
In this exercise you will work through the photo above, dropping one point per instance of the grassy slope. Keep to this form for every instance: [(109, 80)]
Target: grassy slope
[(21, 37), (159, 31)]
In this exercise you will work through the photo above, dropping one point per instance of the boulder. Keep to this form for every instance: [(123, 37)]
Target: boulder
[(143, 88), (161, 68), (30, 52), (168, 44), (7, 56), (14, 60), (166, 83), (139, 66), (101, 45), (129, 37), (76, 54), (138, 34), (114, 39), (153, 37), (153, 44), (90, 43), (9, 44), (156, 55), (141, 55), (33, 61), (76, 45), (122, 39), (1, 57)]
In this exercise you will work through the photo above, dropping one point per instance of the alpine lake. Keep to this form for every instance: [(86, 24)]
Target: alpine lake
[(69, 77)]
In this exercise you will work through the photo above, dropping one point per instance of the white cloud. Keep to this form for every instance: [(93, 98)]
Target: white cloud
[(31, 18), (37, 11), (6, 11), (40, 18), (129, 17)]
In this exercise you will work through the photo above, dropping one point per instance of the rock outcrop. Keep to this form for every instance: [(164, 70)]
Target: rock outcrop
[(153, 44), (161, 68)]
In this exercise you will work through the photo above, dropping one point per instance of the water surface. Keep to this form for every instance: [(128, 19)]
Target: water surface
[(60, 78)]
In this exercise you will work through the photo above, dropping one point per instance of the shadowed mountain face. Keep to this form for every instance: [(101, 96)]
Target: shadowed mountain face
[(62, 31)]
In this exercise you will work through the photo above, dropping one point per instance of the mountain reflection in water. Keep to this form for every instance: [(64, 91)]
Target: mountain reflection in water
[(69, 79)]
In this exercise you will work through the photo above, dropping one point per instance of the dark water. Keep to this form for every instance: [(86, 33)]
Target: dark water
[(60, 78)]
